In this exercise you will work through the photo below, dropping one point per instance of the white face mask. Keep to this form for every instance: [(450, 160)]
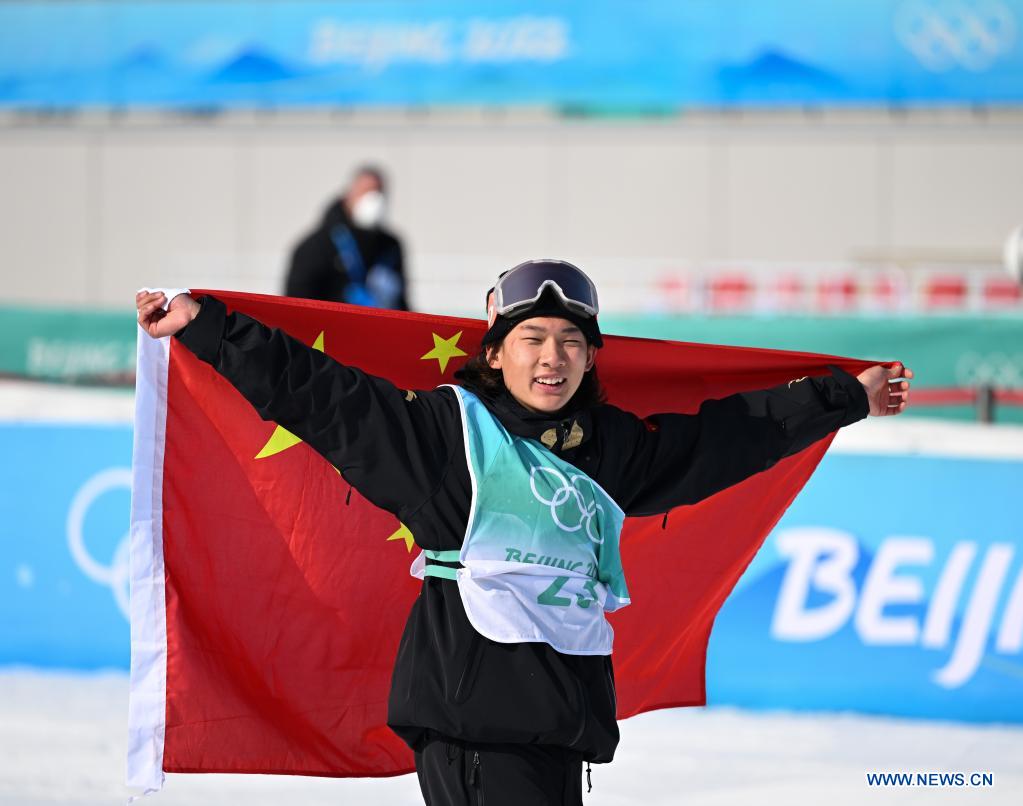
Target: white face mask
[(368, 211)]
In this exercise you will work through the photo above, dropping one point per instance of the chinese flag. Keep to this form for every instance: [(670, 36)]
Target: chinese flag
[(268, 597)]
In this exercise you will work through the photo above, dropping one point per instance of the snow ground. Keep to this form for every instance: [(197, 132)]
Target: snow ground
[(63, 741), (30, 401)]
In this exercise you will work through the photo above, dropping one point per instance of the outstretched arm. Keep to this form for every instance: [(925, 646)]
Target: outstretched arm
[(677, 459), (387, 446)]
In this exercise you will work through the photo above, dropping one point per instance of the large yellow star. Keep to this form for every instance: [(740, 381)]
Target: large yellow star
[(282, 439), (403, 533), (444, 350)]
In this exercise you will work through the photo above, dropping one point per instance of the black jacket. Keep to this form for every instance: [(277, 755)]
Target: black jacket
[(317, 270), (405, 454)]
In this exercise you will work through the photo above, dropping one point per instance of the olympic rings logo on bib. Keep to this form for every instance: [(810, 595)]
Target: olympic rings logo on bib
[(567, 491)]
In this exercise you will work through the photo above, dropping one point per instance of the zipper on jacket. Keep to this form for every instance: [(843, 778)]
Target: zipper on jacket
[(476, 777)]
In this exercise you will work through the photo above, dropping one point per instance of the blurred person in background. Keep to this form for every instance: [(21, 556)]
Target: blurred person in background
[(351, 257)]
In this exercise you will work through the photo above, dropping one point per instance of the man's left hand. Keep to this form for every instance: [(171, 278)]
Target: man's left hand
[(887, 388)]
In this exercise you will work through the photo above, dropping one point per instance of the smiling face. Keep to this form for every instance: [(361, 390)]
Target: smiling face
[(543, 361)]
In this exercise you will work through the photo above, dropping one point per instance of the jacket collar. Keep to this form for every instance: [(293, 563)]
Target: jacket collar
[(559, 431)]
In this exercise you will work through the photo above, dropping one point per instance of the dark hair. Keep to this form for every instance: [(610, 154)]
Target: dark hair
[(371, 171), (477, 374)]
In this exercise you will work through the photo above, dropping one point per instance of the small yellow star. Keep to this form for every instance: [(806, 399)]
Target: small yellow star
[(282, 438), (444, 350), (403, 533)]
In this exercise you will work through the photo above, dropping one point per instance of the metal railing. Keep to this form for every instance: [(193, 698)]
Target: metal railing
[(984, 399)]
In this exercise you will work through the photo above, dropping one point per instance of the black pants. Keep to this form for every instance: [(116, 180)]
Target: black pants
[(454, 773)]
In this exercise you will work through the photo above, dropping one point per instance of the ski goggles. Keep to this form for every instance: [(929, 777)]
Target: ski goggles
[(520, 288)]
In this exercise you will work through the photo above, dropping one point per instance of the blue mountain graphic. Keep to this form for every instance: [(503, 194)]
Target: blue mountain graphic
[(252, 66), (144, 57), (773, 72)]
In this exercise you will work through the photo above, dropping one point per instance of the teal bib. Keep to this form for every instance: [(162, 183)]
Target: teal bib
[(540, 554)]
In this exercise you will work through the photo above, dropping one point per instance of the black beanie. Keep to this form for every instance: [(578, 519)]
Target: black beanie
[(549, 304)]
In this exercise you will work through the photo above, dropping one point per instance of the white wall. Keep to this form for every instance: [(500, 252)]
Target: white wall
[(92, 208)]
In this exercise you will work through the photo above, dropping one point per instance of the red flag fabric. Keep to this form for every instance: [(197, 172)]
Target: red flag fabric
[(268, 597)]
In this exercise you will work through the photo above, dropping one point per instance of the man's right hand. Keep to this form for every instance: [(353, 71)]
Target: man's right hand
[(156, 321)]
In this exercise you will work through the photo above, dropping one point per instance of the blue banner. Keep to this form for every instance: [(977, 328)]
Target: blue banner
[(893, 585), (593, 55), (65, 492)]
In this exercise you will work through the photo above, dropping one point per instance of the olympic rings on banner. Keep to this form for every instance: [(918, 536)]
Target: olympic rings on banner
[(116, 574), (953, 33)]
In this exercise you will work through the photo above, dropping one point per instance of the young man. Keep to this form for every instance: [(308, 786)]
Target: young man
[(515, 484)]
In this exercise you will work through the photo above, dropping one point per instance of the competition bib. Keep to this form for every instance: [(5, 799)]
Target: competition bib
[(540, 555)]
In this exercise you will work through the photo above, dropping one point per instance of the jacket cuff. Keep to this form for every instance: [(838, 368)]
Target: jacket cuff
[(204, 333), (856, 403)]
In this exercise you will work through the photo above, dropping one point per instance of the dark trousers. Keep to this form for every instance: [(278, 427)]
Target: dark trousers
[(455, 773)]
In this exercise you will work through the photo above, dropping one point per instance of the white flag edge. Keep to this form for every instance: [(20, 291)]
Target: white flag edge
[(147, 697)]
